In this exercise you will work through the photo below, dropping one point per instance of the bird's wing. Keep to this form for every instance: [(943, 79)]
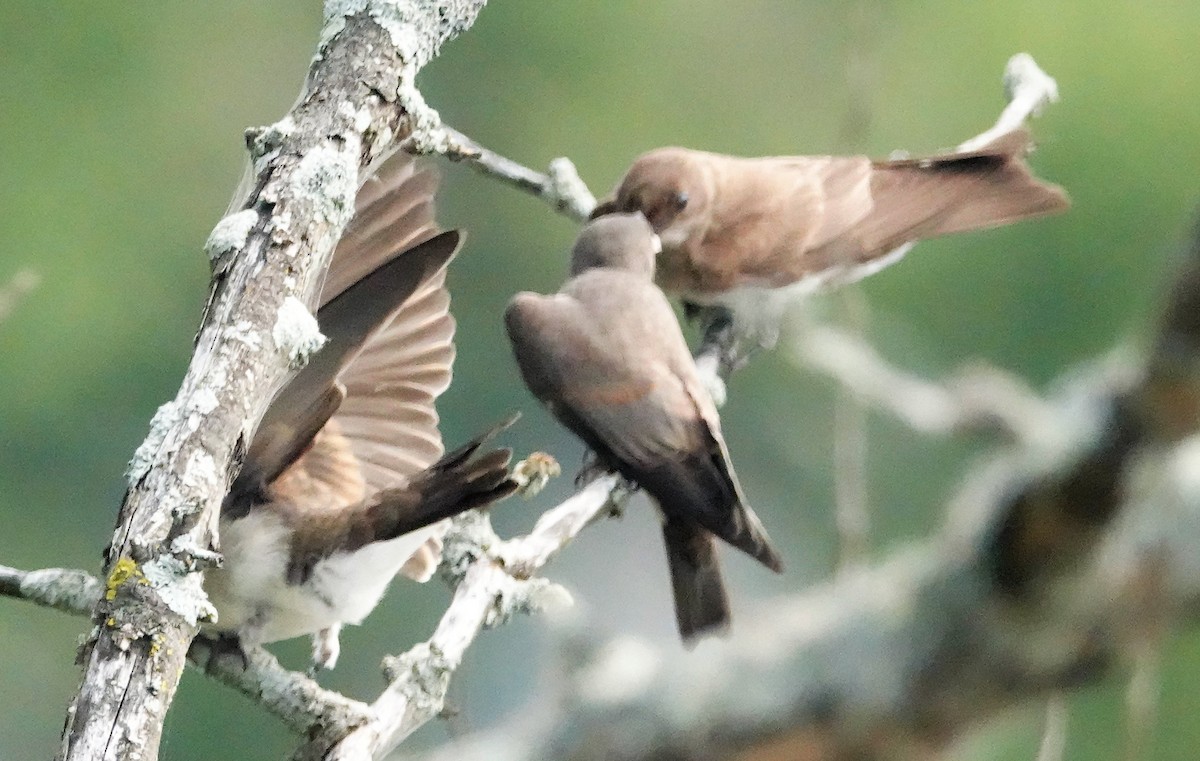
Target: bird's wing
[(394, 211), (373, 366), (388, 415), (956, 192), (633, 411), (621, 379), (384, 296)]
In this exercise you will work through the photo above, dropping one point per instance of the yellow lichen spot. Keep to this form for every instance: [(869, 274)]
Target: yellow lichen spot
[(111, 622), (123, 570)]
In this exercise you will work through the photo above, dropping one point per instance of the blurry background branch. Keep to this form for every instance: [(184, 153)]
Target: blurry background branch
[(1058, 562), (15, 289)]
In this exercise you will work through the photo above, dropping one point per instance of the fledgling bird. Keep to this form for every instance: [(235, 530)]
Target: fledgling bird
[(607, 357), (752, 234), (342, 486)]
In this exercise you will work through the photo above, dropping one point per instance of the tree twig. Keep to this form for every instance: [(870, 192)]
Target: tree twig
[(495, 580), (560, 186)]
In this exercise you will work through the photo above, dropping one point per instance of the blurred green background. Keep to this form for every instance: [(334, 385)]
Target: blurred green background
[(120, 145)]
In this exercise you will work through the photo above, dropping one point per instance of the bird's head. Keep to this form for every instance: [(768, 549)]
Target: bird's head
[(670, 187), (617, 241)]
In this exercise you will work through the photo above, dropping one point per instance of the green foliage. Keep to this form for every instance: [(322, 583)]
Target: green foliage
[(121, 142)]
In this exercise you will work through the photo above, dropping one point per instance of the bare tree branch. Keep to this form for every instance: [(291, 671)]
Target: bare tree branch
[(357, 102), (977, 398), (560, 186), (494, 580)]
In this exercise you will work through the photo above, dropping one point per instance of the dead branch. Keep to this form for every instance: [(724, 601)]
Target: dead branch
[(268, 256)]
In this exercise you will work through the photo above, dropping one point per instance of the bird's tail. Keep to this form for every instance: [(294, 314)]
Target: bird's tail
[(956, 192), (701, 602), (456, 483)]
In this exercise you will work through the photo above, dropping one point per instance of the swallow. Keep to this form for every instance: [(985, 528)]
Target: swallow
[(606, 355), (345, 483), (750, 235)]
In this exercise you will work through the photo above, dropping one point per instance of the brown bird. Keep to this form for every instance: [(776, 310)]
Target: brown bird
[(750, 234), (342, 486), (607, 357)]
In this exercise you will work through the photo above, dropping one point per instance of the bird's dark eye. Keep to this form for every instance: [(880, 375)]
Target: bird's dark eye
[(680, 199)]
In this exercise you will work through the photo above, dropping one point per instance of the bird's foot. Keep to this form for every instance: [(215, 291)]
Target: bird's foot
[(590, 470), (326, 647)]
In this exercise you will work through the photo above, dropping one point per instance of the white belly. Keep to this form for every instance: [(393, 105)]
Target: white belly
[(758, 311), (252, 596)]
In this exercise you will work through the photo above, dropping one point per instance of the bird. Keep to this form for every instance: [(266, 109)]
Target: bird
[(607, 357), (344, 484), (750, 235)]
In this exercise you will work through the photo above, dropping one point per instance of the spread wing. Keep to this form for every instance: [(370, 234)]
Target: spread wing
[(394, 211), (388, 415), (385, 313), (365, 322)]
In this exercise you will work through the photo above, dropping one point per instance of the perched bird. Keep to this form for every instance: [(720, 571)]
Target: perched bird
[(607, 357), (342, 486), (751, 234)]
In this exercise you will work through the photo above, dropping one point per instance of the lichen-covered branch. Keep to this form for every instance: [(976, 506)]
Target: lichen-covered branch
[(494, 580), (1046, 572), (64, 589), (560, 186), (305, 173)]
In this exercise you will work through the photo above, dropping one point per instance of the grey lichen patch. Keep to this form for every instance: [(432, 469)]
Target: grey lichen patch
[(399, 18), (360, 119), (193, 555), (327, 179), (516, 597), (264, 142), (426, 673), (179, 589), (165, 419), (469, 538), (63, 589), (203, 401), (296, 333), (246, 334), (230, 234)]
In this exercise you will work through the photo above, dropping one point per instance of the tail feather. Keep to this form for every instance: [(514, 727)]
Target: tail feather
[(957, 192), (701, 602), (462, 481), (702, 490)]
